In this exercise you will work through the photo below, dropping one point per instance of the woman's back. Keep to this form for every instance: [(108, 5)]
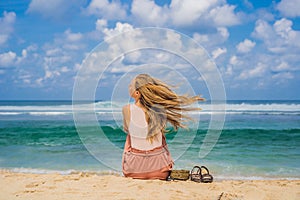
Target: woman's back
[(138, 130)]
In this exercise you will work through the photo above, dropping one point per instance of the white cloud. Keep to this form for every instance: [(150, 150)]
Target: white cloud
[(32, 48), (263, 14), (26, 78), (245, 46), (116, 46), (282, 77), (173, 41), (48, 75), (123, 69), (148, 13), (106, 9), (187, 12), (97, 34), (24, 53), (7, 59), (101, 24), (289, 8), (283, 66), (223, 32), (44, 7), (56, 9), (6, 24), (248, 4), (211, 40), (263, 30), (132, 57), (53, 52), (72, 37), (214, 13), (287, 62), (283, 28), (234, 60), (119, 28), (54, 59), (229, 70), (76, 67), (124, 51), (64, 69), (11, 59), (65, 42), (258, 71), (279, 37), (224, 16), (217, 52)]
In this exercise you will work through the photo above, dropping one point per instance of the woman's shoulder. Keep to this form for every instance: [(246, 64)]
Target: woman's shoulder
[(126, 109)]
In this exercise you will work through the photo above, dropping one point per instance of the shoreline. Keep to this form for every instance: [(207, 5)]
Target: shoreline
[(120, 174), (85, 185)]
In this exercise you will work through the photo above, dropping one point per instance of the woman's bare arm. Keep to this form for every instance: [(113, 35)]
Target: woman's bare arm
[(126, 117)]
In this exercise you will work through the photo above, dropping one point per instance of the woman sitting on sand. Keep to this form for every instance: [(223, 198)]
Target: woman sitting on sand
[(146, 155)]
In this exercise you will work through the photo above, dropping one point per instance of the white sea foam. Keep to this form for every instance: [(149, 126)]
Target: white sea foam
[(63, 172), (223, 177), (49, 113), (11, 113), (116, 107)]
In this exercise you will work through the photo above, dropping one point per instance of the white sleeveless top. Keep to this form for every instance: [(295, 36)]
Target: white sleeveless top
[(138, 130)]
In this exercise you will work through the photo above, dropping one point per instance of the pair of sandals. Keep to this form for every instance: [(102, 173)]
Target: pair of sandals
[(197, 174), (201, 174)]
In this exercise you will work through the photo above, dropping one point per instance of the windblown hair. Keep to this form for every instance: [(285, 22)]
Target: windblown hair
[(162, 104)]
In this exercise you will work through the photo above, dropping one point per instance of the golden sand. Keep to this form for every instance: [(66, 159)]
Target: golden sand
[(87, 186)]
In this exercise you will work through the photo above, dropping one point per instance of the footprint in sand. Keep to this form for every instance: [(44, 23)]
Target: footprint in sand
[(229, 196), (34, 184), (58, 180), (140, 187), (29, 191), (179, 192)]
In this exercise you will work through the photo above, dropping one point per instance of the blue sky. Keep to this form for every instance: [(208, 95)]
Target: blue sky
[(255, 44)]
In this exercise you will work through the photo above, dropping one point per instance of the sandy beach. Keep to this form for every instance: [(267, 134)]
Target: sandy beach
[(90, 186)]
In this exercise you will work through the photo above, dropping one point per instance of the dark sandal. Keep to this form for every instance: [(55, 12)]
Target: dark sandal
[(196, 174), (205, 176)]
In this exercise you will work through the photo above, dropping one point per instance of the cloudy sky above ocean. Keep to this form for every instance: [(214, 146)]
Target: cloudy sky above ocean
[(255, 44)]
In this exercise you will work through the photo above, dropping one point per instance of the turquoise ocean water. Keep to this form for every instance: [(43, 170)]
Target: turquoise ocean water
[(259, 140)]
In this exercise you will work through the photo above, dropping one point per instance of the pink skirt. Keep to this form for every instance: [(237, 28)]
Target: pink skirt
[(152, 164)]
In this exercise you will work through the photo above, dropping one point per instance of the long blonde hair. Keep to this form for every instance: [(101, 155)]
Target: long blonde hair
[(162, 104)]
